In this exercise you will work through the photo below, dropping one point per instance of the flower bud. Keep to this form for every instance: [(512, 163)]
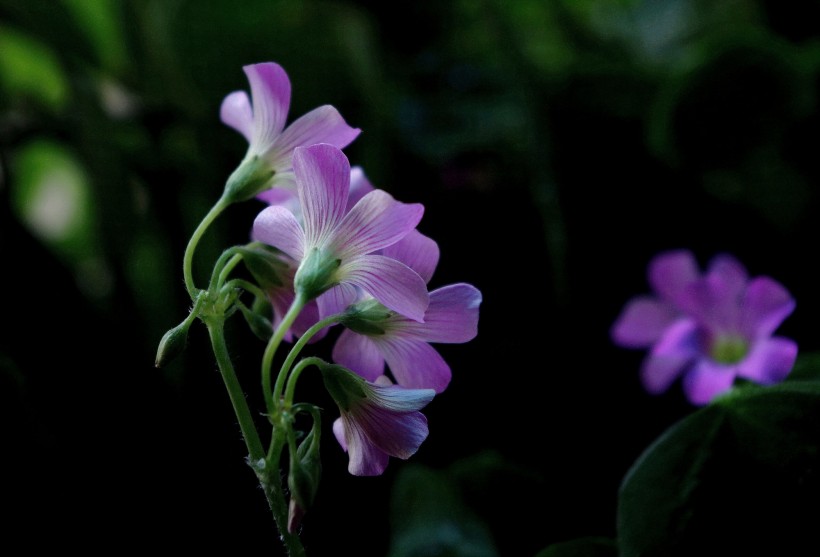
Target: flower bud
[(252, 176), (172, 344), (303, 477), (266, 264), (259, 325)]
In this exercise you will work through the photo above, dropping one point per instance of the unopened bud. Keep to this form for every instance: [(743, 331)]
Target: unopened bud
[(172, 344)]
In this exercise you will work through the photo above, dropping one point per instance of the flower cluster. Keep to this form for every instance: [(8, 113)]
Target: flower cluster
[(327, 251), (707, 328)]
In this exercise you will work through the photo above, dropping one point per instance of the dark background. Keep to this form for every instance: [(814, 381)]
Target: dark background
[(557, 146)]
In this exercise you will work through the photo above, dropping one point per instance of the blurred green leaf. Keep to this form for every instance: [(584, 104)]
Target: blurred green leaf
[(101, 23), (29, 69), (739, 474), (429, 518)]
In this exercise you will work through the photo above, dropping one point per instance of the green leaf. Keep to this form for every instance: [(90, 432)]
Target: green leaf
[(740, 475), (429, 518), (28, 68), (582, 547)]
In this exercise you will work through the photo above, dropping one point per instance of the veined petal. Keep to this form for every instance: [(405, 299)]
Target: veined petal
[(323, 179), (706, 380), (337, 299), (415, 364), (398, 434), (366, 459), (358, 353), (277, 227), (675, 350), (359, 186), (284, 197), (236, 112), (339, 433), (270, 91), (417, 251), (764, 307), (642, 322), (670, 272), (769, 361), (394, 284), (321, 125), (451, 317), (375, 222)]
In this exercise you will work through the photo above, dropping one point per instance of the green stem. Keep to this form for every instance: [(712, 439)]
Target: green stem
[(187, 261), (275, 492), (247, 286), (240, 406), (297, 348), (267, 358), (229, 266), (294, 377)]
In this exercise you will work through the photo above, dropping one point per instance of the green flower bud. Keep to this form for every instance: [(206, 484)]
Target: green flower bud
[(367, 318), (344, 386), (259, 325), (172, 344), (303, 477), (266, 265)]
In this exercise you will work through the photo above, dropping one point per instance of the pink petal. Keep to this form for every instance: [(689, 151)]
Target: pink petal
[(339, 433), (765, 305), (320, 125), (365, 458), (323, 179), (358, 353), (359, 186), (706, 380), (236, 112), (270, 91), (670, 272), (731, 273), (417, 251), (674, 351), (277, 227), (393, 283), (282, 196), (337, 299), (452, 315), (415, 364), (375, 222), (642, 322), (769, 360)]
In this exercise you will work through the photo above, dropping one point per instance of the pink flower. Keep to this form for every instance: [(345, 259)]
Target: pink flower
[(709, 329), (268, 162), (378, 420), (336, 247)]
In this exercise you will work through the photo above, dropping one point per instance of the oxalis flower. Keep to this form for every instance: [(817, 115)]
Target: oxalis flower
[(375, 335), (334, 246), (709, 329), (378, 420), (268, 162)]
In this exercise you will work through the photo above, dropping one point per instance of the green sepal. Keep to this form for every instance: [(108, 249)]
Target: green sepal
[(305, 473), (316, 274), (346, 388), (366, 318), (251, 177)]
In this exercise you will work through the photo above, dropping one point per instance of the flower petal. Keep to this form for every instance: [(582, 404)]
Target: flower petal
[(417, 251), (277, 227), (415, 364), (337, 299), (730, 272), (375, 222), (365, 458), (270, 91), (359, 186), (320, 125), (236, 112), (358, 353), (391, 282), (706, 380), (670, 272), (642, 322), (769, 360), (451, 317), (339, 433), (674, 351), (764, 307), (323, 180), (283, 197)]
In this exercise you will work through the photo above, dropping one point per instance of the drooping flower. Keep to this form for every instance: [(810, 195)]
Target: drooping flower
[(375, 335), (710, 329), (378, 420), (334, 246), (261, 119)]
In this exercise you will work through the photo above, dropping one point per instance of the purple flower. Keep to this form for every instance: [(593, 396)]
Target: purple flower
[(268, 162), (375, 336), (378, 420), (708, 328), (334, 246)]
